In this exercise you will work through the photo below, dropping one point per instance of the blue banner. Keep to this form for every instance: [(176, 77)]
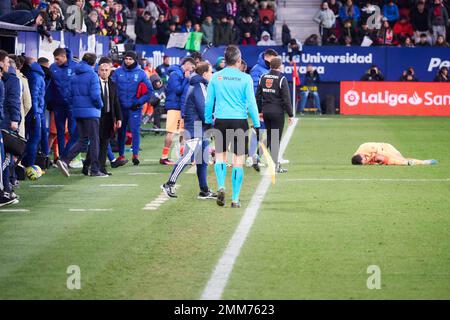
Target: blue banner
[(333, 63), (426, 61), (29, 42)]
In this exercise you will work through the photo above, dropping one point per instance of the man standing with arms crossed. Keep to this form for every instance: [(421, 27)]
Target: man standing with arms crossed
[(230, 96)]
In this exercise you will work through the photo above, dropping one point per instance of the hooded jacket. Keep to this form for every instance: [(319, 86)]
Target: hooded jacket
[(36, 81), (128, 80), (325, 18), (12, 103), (258, 70), (175, 87), (85, 92), (269, 42), (194, 109), (59, 86)]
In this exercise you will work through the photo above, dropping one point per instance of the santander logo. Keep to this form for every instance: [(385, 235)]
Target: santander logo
[(415, 99)]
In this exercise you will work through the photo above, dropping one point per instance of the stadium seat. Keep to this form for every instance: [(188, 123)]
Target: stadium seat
[(404, 12), (267, 13), (177, 3), (180, 12)]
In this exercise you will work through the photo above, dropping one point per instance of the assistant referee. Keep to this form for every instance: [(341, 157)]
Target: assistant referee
[(230, 97), (273, 100)]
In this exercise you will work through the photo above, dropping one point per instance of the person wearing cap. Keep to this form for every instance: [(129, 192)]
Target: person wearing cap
[(220, 64), (129, 77), (157, 100)]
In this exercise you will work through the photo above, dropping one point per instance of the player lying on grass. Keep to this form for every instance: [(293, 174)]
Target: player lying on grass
[(384, 153)]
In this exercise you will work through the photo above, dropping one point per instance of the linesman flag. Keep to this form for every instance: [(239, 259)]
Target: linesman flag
[(295, 75), (194, 41)]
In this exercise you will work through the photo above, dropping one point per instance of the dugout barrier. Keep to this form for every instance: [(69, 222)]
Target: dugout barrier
[(31, 43)]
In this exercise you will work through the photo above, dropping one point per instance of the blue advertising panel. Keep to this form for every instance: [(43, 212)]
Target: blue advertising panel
[(333, 63), (425, 60)]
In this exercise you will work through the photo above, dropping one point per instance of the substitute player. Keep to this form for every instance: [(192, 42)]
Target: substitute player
[(196, 145), (230, 97), (273, 100), (384, 153)]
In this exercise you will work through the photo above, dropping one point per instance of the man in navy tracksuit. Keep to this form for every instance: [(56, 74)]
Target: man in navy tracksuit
[(86, 103), (5, 197), (130, 79), (196, 145), (57, 98), (35, 119), (11, 119)]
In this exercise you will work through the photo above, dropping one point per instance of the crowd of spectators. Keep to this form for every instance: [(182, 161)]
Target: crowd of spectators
[(222, 22), (406, 23), (108, 18)]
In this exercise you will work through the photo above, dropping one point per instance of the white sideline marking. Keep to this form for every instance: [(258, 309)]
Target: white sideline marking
[(14, 210), (119, 185), (216, 284), (154, 205), (151, 160), (46, 185), (368, 179), (90, 210)]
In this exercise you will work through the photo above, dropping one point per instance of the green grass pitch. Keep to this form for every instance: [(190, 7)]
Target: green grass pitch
[(319, 227)]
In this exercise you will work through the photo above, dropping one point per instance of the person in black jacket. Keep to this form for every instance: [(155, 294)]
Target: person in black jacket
[(111, 115), (273, 99), (143, 29), (309, 87), (442, 75)]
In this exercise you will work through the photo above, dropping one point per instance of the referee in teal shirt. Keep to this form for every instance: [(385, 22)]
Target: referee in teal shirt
[(230, 98)]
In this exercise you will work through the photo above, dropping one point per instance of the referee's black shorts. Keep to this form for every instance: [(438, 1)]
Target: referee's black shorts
[(231, 133)]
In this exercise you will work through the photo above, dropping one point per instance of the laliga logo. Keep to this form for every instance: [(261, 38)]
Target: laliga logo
[(415, 99), (351, 98)]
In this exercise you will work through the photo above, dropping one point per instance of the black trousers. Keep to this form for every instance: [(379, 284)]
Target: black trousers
[(88, 132), (106, 128), (274, 126)]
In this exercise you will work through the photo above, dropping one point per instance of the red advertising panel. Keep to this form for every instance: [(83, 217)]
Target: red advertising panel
[(395, 98)]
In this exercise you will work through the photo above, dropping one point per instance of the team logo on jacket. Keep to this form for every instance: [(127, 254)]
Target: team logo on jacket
[(219, 78), (269, 83), (136, 76)]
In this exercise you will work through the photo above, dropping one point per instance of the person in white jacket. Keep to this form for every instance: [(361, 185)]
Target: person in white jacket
[(326, 19), (153, 9), (265, 40)]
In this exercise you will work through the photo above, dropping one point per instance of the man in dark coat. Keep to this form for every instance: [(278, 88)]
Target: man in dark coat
[(143, 29), (86, 102), (111, 115)]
